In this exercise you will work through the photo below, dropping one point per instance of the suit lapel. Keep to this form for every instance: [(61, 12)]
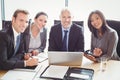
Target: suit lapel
[(59, 36), (71, 37), (42, 36), (10, 32), (11, 39)]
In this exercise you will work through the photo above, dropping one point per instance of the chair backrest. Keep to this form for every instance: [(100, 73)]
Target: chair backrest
[(115, 25), (77, 22), (7, 23)]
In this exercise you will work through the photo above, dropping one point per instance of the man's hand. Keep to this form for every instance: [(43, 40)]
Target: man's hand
[(32, 62), (27, 56)]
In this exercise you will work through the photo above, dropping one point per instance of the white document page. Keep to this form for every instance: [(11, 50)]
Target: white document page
[(41, 57), (54, 71), (18, 75), (82, 76)]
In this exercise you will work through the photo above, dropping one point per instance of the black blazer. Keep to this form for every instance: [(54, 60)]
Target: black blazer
[(7, 60), (43, 37), (76, 38)]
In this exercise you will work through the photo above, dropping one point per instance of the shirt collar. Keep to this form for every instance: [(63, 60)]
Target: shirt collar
[(15, 32), (67, 28)]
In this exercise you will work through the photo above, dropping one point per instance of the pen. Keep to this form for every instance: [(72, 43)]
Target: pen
[(28, 55)]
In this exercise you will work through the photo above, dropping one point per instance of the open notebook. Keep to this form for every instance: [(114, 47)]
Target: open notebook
[(56, 72), (41, 57), (29, 69)]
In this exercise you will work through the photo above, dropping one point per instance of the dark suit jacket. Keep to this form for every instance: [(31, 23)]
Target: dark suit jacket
[(43, 37), (7, 60), (76, 38)]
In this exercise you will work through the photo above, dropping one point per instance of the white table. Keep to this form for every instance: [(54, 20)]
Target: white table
[(111, 73)]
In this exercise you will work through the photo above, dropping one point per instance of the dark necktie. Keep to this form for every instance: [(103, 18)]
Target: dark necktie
[(64, 47), (17, 44)]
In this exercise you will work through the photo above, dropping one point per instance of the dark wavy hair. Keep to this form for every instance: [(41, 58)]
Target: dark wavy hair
[(104, 25), (39, 14)]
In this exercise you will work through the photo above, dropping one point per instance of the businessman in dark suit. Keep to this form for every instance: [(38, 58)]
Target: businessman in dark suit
[(74, 34), (12, 53)]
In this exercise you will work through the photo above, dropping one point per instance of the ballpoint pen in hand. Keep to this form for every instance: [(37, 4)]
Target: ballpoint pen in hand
[(27, 56)]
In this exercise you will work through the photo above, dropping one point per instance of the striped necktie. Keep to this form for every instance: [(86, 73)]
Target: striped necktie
[(64, 47), (17, 44)]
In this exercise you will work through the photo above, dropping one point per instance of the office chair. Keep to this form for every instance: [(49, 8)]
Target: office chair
[(6, 24), (116, 25), (76, 22)]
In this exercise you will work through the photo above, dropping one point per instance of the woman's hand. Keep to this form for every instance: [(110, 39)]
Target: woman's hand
[(35, 52), (97, 52), (92, 58)]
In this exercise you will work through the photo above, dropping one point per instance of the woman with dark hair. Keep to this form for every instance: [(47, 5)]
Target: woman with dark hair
[(36, 34), (103, 39)]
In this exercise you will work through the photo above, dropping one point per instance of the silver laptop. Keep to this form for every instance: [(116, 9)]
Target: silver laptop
[(65, 58)]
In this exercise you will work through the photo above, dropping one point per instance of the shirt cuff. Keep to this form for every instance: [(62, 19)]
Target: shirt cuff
[(24, 63)]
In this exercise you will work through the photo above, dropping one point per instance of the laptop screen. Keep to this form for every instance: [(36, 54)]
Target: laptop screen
[(65, 58)]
